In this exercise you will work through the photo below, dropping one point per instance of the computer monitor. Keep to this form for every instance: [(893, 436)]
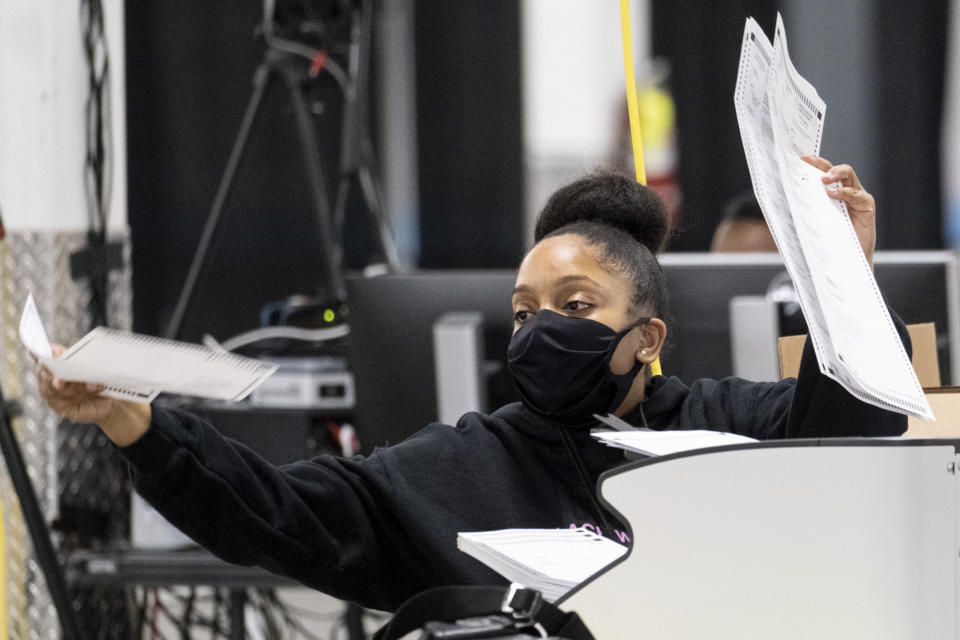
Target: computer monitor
[(391, 344), (921, 286)]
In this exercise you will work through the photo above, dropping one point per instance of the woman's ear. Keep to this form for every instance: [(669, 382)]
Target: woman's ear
[(652, 335)]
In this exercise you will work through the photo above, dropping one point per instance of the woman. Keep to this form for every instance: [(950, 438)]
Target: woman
[(587, 308)]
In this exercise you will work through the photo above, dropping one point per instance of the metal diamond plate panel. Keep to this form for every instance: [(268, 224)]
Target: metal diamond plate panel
[(73, 468)]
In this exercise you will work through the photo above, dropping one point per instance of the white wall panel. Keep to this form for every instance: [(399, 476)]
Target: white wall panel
[(43, 89)]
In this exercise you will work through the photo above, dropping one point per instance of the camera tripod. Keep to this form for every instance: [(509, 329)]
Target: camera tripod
[(297, 64)]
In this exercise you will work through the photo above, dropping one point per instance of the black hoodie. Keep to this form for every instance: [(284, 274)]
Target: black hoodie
[(380, 529)]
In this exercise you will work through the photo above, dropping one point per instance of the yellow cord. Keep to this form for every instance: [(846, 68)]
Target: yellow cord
[(634, 111), (11, 383), (4, 631), (632, 101), (13, 534)]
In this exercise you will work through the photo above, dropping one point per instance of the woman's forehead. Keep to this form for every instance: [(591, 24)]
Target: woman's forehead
[(557, 258)]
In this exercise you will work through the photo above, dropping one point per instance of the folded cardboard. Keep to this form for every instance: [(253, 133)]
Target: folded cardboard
[(945, 401), (925, 363)]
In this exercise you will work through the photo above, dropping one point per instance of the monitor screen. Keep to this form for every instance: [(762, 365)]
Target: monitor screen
[(391, 338), (919, 286)]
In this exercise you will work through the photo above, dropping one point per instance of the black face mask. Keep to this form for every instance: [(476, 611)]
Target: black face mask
[(561, 366)]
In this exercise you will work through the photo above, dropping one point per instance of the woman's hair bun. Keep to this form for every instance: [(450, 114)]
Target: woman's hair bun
[(609, 198)]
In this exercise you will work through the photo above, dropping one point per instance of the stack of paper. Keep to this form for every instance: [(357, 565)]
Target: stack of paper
[(661, 443), (781, 118), (552, 561), (138, 367)]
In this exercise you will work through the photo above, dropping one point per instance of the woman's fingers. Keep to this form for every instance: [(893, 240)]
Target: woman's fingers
[(850, 190), (820, 163), (54, 389), (852, 196), (844, 174), (76, 401)]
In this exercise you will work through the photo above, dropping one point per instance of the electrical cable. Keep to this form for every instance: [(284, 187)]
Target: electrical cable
[(216, 627), (151, 612), (177, 621), (268, 616), (292, 623), (98, 159), (319, 58), (290, 333), (302, 612), (188, 614)]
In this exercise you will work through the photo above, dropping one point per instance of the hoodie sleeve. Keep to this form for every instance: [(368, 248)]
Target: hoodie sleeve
[(808, 406), (325, 522)]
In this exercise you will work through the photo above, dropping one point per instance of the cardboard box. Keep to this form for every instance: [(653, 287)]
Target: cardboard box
[(925, 363), (945, 401)]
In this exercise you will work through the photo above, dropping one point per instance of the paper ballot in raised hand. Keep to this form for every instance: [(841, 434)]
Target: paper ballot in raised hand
[(781, 118), (138, 367)]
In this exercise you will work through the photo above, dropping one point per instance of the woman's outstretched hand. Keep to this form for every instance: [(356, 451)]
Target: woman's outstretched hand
[(75, 401), (122, 422), (860, 204)]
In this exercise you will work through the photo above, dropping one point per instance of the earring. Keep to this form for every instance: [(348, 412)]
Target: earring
[(643, 351)]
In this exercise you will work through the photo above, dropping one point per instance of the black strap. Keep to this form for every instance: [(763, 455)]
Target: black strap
[(455, 603)]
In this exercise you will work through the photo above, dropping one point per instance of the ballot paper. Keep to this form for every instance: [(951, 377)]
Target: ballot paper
[(661, 443), (781, 118), (552, 561), (138, 367)]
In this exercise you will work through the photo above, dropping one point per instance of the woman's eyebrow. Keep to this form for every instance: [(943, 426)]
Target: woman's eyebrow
[(575, 278)]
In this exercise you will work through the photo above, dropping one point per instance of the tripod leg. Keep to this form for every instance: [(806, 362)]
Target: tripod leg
[(355, 139), (368, 186), (261, 83), (340, 210), (334, 285)]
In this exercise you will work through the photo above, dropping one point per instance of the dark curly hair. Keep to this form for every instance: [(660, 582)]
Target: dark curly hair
[(624, 220)]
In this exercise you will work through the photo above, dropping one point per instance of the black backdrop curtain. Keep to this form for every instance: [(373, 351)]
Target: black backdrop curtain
[(469, 130), (909, 75), (702, 42), (190, 68), (189, 76)]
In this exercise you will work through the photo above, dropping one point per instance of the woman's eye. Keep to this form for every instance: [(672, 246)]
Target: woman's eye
[(577, 305), (521, 316)]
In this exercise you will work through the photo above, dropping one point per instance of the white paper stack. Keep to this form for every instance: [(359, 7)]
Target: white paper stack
[(661, 443), (139, 367), (781, 118), (552, 561)]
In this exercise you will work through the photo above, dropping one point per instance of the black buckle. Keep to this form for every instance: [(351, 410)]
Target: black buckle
[(521, 603)]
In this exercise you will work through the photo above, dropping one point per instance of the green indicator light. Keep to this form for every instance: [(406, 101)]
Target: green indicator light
[(328, 315)]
